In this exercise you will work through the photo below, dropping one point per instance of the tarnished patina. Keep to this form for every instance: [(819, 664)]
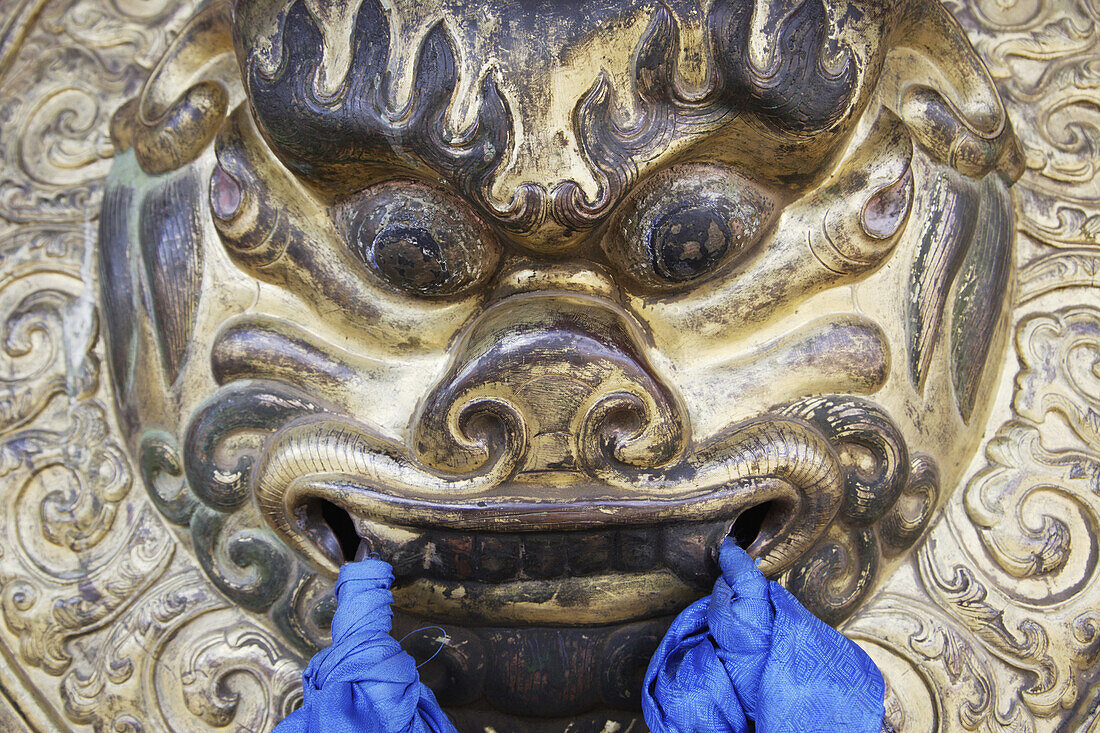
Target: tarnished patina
[(541, 301)]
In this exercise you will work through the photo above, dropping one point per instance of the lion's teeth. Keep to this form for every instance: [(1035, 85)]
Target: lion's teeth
[(447, 555)]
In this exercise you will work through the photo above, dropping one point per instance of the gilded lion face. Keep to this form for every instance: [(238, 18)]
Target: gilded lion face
[(540, 301)]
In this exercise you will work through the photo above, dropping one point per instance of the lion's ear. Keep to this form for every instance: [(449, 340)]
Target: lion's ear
[(935, 82)]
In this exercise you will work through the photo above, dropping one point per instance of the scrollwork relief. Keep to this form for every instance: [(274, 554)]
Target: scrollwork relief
[(1015, 564)]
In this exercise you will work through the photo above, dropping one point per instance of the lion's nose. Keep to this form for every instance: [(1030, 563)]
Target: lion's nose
[(562, 378)]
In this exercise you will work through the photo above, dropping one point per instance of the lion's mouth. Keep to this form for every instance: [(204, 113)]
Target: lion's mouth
[(498, 545), (606, 575), (604, 542)]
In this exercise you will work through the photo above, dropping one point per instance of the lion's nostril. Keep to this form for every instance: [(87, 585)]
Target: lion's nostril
[(484, 424), (624, 421), (631, 430)]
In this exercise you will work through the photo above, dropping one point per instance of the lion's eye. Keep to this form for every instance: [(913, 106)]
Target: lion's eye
[(688, 241), (687, 225), (418, 240), (411, 256)]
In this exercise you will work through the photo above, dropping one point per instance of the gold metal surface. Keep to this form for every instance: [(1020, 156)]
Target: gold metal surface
[(540, 301)]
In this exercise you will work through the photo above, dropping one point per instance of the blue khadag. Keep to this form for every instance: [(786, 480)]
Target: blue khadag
[(751, 652), (364, 682), (747, 655)]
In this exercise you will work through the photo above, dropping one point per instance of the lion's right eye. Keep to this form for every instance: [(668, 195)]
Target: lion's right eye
[(418, 240)]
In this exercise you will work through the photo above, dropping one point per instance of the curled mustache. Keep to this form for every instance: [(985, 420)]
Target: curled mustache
[(779, 459), (827, 467)]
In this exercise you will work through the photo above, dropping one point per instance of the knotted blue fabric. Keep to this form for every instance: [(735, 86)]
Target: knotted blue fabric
[(751, 652), (748, 652), (364, 682)]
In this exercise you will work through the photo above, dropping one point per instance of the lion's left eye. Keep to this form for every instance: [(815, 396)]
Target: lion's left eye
[(418, 240), (689, 239), (687, 225)]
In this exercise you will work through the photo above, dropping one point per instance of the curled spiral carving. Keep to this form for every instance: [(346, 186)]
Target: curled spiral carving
[(243, 559), (246, 563), (837, 574), (239, 407), (159, 462), (889, 500), (907, 519), (874, 451)]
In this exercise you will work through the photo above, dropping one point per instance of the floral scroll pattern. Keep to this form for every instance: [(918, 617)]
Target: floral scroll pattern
[(1008, 578), (996, 615), (105, 614)]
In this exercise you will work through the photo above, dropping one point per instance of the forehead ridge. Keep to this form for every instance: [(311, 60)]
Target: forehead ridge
[(568, 102)]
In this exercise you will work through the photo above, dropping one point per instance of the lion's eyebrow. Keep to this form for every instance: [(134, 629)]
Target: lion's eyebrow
[(795, 94), (333, 139), (785, 84), (327, 131)]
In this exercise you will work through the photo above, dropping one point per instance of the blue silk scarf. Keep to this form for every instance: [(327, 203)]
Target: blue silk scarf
[(751, 652), (748, 652), (364, 682)]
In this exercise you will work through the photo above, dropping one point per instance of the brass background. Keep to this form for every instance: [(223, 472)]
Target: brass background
[(991, 623)]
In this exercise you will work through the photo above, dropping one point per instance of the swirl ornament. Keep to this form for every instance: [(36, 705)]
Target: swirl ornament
[(836, 576)]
